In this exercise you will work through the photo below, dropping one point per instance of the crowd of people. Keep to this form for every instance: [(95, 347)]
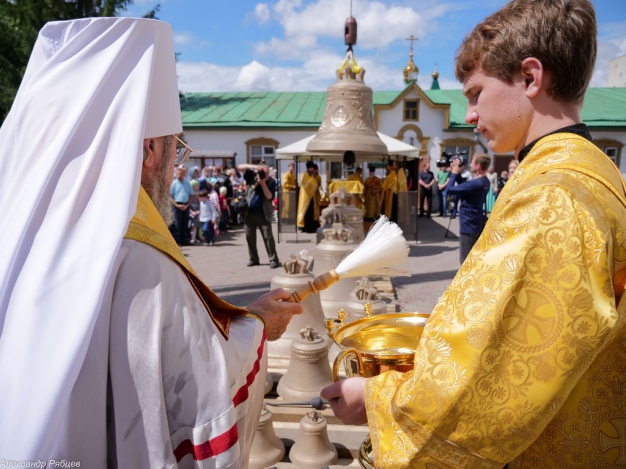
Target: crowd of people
[(211, 201), (203, 203)]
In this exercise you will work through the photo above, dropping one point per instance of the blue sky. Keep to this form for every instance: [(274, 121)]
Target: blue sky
[(296, 45)]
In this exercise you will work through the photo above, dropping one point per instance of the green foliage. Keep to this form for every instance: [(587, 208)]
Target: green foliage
[(20, 22)]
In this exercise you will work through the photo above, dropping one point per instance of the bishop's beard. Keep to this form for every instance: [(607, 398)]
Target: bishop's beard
[(158, 187)]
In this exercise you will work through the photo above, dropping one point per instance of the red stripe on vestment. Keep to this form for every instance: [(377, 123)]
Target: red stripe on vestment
[(209, 448), (242, 394)]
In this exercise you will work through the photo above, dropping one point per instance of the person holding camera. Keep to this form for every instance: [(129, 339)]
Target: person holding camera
[(472, 195), (260, 192)]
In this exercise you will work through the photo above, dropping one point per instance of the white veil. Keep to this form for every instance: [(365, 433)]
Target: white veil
[(93, 89)]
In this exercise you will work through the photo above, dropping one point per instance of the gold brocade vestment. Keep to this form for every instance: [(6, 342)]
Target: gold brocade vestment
[(389, 187), (289, 200), (394, 184), (523, 359), (309, 193), (148, 227), (371, 195)]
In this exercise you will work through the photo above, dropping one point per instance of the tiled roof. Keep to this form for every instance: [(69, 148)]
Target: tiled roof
[(603, 108)]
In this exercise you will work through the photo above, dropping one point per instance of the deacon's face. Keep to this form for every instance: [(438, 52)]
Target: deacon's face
[(499, 110)]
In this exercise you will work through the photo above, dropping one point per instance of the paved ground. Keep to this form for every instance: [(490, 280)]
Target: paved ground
[(433, 263)]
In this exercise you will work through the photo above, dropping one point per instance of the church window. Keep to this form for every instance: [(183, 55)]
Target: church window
[(411, 109), (262, 149), (612, 153)]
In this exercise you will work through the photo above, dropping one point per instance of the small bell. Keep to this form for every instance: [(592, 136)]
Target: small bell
[(313, 449), (365, 301), (267, 448), (309, 371)]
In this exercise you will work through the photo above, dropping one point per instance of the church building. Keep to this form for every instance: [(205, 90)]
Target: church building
[(230, 128)]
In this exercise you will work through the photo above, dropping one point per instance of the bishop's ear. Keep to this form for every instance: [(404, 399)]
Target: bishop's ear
[(148, 153), (534, 76)]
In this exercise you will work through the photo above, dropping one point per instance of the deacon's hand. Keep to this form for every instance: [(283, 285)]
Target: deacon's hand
[(347, 399), (275, 313)]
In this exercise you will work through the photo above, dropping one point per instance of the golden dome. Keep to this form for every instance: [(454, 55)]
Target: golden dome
[(411, 70), (435, 73)]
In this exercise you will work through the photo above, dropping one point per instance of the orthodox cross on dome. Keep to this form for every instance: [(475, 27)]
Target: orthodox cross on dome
[(412, 38)]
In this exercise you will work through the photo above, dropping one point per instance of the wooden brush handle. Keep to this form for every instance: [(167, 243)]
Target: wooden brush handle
[(321, 282)]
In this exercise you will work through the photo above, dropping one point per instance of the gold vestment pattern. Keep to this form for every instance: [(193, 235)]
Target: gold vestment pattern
[(523, 359)]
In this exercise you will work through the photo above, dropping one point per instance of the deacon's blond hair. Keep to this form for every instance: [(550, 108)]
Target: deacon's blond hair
[(559, 33)]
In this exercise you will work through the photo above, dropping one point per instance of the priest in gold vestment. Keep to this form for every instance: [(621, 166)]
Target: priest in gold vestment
[(393, 185), (523, 360), (289, 186), (371, 194), (358, 176), (309, 200)]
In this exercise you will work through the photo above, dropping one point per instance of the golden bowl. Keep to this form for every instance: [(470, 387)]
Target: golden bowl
[(379, 343)]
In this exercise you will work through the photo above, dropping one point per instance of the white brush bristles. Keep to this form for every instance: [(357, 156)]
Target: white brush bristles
[(382, 252)]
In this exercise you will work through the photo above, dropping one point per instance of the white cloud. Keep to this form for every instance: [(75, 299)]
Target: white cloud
[(316, 74), (611, 44), (379, 25), (182, 38), (262, 13)]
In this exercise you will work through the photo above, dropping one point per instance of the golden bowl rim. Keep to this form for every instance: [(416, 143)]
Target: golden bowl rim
[(376, 318)]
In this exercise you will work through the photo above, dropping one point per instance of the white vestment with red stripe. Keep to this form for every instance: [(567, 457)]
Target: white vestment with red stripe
[(180, 394)]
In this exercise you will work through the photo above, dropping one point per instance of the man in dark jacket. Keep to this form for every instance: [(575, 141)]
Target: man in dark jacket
[(260, 192), (472, 194)]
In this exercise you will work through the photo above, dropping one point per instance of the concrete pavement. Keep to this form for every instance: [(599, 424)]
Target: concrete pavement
[(432, 264)]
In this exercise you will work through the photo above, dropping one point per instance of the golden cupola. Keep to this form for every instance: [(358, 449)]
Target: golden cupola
[(410, 71)]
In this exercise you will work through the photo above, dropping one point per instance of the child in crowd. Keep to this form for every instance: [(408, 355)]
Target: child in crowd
[(212, 189), (194, 212), (208, 215), (224, 209)]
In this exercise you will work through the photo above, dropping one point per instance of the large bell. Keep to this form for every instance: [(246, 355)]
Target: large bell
[(347, 124), (313, 449), (338, 242), (296, 275)]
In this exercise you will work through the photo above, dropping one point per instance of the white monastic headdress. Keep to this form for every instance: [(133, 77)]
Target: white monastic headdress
[(93, 89)]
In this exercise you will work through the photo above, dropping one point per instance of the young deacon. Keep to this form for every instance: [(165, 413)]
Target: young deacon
[(523, 358)]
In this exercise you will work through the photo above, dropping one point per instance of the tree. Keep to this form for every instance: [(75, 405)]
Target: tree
[(20, 22)]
